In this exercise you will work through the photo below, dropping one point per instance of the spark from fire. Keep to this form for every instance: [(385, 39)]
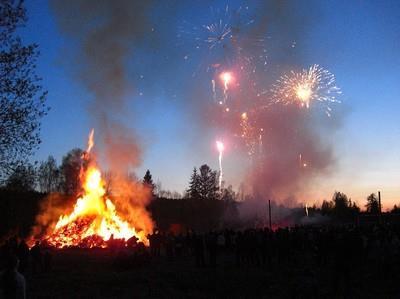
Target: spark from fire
[(94, 219), (307, 86), (220, 148)]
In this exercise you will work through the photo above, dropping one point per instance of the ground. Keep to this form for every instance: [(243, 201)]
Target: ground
[(79, 273)]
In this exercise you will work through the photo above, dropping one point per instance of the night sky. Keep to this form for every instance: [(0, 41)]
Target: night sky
[(357, 41)]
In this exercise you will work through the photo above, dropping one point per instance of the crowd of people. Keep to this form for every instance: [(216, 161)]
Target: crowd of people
[(339, 248), (340, 252), (376, 244)]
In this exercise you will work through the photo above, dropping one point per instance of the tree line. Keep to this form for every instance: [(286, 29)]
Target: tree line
[(47, 177)]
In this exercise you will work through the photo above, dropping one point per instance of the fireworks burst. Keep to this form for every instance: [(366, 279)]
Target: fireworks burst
[(218, 31), (249, 134), (307, 86), (224, 37), (220, 148), (222, 31)]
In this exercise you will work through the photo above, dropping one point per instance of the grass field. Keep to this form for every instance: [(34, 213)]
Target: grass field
[(79, 273)]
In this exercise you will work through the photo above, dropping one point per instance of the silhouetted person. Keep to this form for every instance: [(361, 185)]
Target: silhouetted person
[(157, 244), (152, 243), (12, 282), (111, 243), (47, 261), (23, 256), (239, 248), (211, 243), (341, 266), (199, 250), (13, 244), (179, 245), (132, 242), (36, 255), (170, 245)]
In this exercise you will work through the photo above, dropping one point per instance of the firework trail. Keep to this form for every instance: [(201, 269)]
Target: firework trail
[(214, 92), (251, 135), (307, 86), (220, 148), (226, 78), (260, 141), (302, 163)]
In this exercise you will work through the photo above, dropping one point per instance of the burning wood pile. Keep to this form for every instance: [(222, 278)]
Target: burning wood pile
[(94, 220)]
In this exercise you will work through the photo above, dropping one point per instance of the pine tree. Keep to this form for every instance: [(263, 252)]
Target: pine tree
[(194, 186), (148, 181), (208, 183), (372, 204), (212, 185)]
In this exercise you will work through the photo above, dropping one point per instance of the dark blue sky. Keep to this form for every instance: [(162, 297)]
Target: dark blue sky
[(358, 41)]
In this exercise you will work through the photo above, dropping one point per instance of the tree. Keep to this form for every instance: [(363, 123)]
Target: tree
[(208, 183), (49, 175), (372, 204), (70, 170), (158, 188), (22, 99), (341, 202), (327, 207), (23, 178), (343, 206), (228, 194), (395, 210), (194, 185), (148, 181)]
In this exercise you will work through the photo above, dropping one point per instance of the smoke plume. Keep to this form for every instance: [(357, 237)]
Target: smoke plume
[(104, 35), (296, 145), (102, 38)]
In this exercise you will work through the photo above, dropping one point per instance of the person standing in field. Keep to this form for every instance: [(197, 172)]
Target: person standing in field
[(12, 282)]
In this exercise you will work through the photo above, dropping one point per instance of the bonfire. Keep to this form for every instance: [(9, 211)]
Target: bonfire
[(94, 221)]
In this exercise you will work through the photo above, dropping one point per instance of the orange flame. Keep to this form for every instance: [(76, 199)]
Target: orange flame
[(94, 219)]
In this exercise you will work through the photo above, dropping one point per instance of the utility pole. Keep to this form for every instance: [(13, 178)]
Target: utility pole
[(379, 199), (269, 213)]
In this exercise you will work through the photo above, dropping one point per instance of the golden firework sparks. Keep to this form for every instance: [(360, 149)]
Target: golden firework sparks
[(307, 86)]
